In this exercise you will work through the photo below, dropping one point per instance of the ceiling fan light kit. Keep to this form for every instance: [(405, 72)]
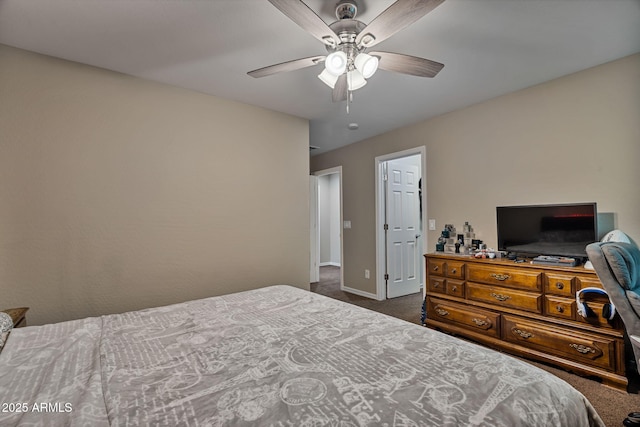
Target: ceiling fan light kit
[(366, 64), (355, 80), (328, 78), (339, 64), (347, 66), (336, 63)]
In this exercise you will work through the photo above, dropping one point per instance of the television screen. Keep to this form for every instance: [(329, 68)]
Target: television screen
[(560, 230)]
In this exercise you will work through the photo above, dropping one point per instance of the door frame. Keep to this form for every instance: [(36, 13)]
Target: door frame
[(381, 255), (314, 268), (334, 170)]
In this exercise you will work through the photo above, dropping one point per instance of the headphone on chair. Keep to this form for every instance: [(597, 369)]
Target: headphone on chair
[(608, 310)]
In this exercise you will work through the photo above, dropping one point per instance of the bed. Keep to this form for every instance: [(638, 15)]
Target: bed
[(276, 356)]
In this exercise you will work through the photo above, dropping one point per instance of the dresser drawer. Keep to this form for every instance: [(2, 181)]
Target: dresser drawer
[(588, 282), (585, 348), (437, 267), (504, 276), (455, 288), (437, 284), (559, 284), (484, 321), (563, 308), (597, 319), (455, 269), (505, 297)]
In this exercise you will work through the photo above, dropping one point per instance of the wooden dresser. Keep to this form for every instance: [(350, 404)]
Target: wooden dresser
[(527, 310)]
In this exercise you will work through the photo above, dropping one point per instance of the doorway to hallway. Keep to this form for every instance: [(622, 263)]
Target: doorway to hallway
[(326, 234), (329, 280)]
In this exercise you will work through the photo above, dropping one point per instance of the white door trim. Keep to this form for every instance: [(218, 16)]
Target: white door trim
[(314, 270), (330, 171), (381, 289)]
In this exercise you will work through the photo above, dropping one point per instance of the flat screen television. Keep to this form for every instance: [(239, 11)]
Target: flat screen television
[(556, 230)]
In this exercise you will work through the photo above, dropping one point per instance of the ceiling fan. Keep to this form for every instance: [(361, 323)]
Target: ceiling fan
[(348, 64)]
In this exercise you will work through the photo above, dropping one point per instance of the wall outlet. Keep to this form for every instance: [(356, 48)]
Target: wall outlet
[(346, 224), (432, 224), (366, 274)]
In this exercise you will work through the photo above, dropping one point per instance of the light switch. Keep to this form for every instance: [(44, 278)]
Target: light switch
[(432, 224), (347, 224)]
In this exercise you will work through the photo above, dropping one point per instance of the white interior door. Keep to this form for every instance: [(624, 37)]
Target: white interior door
[(403, 230)]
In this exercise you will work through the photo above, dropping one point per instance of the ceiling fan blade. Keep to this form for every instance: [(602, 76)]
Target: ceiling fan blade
[(296, 64), (407, 64), (305, 17), (340, 89), (396, 17)]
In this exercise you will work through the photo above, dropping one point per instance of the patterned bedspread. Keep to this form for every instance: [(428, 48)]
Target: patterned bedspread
[(277, 356)]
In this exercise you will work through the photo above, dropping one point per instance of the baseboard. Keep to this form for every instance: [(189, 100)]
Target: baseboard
[(359, 292), (332, 264)]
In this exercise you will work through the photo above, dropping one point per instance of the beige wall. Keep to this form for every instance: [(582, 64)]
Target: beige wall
[(573, 139), (118, 193)]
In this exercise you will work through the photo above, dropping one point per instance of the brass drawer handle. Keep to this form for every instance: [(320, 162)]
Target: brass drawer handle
[(523, 334), (500, 277), (560, 285), (500, 297), (453, 271), (582, 348), (435, 268), (442, 312), (560, 308), (436, 284), (479, 322), (453, 288)]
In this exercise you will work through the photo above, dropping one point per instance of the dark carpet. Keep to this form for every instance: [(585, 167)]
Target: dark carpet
[(612, 405)]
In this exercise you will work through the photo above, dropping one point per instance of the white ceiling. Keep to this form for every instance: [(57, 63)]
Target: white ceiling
[(489, 48)]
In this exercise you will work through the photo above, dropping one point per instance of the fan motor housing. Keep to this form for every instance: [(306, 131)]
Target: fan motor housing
[(347, 29)]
